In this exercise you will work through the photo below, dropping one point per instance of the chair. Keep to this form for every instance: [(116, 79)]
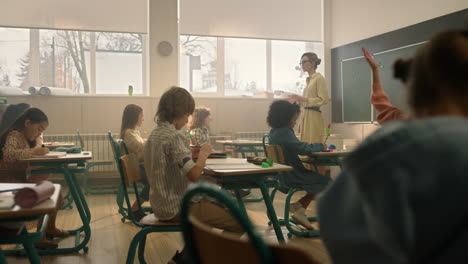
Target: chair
[(117, 149), (94, 189), (230, 249), (25, 238), (130, 173), (275, 152)]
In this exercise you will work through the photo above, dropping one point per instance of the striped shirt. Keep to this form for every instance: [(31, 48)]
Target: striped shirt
[(200, 135), (168, 159)]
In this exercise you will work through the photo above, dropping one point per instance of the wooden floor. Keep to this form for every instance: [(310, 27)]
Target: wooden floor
[(110, 237)]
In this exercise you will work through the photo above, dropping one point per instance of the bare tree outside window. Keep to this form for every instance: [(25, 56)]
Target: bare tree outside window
[(198, 58)]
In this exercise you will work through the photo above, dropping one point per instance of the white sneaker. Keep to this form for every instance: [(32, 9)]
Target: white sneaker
[(301, 218)]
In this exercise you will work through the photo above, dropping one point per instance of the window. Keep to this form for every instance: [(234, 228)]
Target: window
[(14, 57), (248, 67), (83, 62), (286, 73), (119, 63), (245, 66), (198, 63), (64, 60)]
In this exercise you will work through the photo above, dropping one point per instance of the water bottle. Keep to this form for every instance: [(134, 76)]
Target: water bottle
[(130, 90)]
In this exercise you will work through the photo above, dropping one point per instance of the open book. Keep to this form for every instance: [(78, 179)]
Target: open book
[(51, 155)]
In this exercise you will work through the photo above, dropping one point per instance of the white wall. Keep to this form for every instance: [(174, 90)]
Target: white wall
[(99, 114), (359, 19), (350, 21), (278, 19)]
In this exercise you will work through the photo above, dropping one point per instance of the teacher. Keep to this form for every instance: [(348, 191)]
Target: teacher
[(315, 95)]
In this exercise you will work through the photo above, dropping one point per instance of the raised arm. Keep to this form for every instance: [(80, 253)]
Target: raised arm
[(385, 110)]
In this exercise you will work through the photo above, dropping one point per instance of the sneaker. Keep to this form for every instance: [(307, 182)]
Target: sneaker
[(243, 193), (138, 215), (301, 218), (45, 244), (176, 259)]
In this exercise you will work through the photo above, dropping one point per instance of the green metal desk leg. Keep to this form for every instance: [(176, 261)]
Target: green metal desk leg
[(240, 201), (271, 210), (83, 209), (32, 252), (108, 189)]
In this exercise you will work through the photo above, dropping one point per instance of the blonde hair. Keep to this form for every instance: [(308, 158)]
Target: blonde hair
[(174, 103)]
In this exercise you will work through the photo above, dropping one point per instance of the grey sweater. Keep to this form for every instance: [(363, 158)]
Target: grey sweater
[(403, 196)]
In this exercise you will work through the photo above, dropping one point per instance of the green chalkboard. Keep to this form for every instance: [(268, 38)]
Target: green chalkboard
[(393, 87), (356, 80)]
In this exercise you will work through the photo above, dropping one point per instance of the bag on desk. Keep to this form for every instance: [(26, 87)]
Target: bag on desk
[(30, 196)]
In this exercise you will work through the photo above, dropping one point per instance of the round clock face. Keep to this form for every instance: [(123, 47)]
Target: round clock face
[(164, 48)]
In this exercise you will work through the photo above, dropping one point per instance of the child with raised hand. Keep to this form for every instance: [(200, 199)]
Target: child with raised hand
[(401, 197), (385, 110), (170, 168), (199, 126), (132, 119), (20, 129), (282, 118)]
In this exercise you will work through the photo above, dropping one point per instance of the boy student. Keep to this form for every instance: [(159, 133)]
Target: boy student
[(170, 168)]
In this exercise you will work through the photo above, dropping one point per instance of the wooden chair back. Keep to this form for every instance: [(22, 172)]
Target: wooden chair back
[(130, 168), (275, 152)]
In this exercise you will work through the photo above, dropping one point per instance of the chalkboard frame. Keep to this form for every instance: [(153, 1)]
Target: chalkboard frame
[(391, 40)]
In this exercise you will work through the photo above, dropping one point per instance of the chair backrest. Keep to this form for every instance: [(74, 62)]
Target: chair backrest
[(129, 171), (80, 139), (229, 248), (130, 168), (113, 144), (197, 236), (275, 152)]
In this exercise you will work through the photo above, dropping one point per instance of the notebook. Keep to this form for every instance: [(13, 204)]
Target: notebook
[(51, 155)]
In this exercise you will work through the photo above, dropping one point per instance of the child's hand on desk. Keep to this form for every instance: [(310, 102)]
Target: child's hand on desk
[(206, 150), (40, 151)]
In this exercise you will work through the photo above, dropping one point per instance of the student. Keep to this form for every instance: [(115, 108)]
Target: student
[(199, 126), (132, 119), (282, 118), (385, 110), (170, 168), (21, 127), (402, 195)]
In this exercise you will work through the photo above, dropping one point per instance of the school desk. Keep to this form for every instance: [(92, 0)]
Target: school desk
[(68, 165), (326, 158), (242, 146), (18, 214), (235, 174)]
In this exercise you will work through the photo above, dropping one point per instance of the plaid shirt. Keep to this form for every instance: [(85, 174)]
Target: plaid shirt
[(168, 159), (200, 136)]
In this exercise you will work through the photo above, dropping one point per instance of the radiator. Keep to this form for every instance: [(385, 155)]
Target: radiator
[(98, 144), (256, 135)]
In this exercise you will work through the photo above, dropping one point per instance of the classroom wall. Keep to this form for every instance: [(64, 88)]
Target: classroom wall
[(350, 21), (98, 114), (355, 20)]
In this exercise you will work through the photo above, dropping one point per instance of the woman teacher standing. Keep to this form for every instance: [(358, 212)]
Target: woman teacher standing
[(315, 95)]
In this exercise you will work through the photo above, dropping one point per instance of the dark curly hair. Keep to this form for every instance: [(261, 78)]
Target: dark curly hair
[(174, 103), (281, 112)]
